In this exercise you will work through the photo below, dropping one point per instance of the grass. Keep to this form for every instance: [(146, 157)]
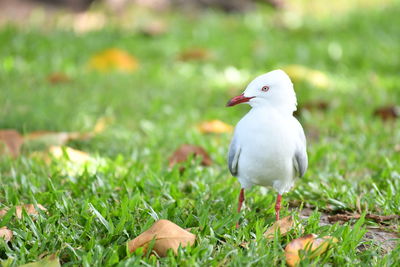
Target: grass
[(94, 210)]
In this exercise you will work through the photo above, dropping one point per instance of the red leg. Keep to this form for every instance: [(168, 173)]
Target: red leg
[(240, 203), (278, 206)]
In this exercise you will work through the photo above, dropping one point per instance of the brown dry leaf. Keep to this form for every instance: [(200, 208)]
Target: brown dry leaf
[(310, 242), (73, 154), (185, 151), (49, 261), (54, 138), (6, 234), (166, 234), (113, 59), (388, 112), (300, 73), (154, 28), (10, 142), (317, 105), (29, 208), (58, 77), (194, 54), (214, 126), (283, 225)]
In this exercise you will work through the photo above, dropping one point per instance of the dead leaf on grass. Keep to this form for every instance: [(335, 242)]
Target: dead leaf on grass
[(154, 28), (387, 113), (10, 142), (58, 77), (49, 261), (300, 73), (283, 226), (185, 151), (113, 59), (214, 126), (194, 54), (316, 246), (89, 21), (73, 155), (54, 138), (29, 208), (166, 235), (6, 234)]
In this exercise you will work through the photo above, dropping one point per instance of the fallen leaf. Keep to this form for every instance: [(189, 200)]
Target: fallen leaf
[(185, 151), (388, 112), (29, 208), (74, 155), (283, 225), (6, 234), (89, 21), (10, 142), (317, 105), (194, 54), (316, 246), (54, 138), (58, 77), (244, 245), (154, 28), (214, 126), (49, 261), (113, 59), (101, 125), (397, 148), (166, 235), (300, 73)]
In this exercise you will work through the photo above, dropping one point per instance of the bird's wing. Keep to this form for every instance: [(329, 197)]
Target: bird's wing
[(300, 158), (233, 156)]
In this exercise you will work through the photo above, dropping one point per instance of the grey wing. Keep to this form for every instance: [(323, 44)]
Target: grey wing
[(233, 156), (300, 159)]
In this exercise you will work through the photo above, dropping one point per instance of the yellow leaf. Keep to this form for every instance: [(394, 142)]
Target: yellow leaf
[(74, 155), (49, 261), (6, 234), (214, 126), (113, 59), (101, 125), (166, 235), (300, 73), (316, 246), (283, 225)]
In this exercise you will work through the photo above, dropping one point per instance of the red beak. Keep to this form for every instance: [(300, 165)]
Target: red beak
[(238, 99)]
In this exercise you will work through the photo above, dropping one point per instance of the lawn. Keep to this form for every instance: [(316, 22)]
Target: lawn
[(95, 208)]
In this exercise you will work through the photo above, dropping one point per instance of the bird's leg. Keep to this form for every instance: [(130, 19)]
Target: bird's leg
[(240, 203), (278, 206)]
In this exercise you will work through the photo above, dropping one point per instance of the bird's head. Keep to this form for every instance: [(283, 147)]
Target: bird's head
[(273, 88)]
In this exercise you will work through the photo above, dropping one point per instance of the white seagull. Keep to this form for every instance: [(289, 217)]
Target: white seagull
[(268, 146)]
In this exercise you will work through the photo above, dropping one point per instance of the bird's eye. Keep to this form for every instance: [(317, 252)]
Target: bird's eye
[(265, 88)]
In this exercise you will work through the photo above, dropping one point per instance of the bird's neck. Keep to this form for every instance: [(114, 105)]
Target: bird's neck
[(266, 107)]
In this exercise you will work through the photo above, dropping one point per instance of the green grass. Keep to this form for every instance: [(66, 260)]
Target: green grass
[(156, 108)]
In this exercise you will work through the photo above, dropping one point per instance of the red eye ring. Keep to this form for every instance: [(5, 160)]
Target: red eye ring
[(265, 88)]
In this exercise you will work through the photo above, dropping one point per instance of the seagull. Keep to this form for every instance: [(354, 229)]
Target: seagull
[(268, 146)]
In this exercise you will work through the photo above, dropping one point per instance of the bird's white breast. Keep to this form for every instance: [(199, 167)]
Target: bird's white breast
[(267, 143)]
